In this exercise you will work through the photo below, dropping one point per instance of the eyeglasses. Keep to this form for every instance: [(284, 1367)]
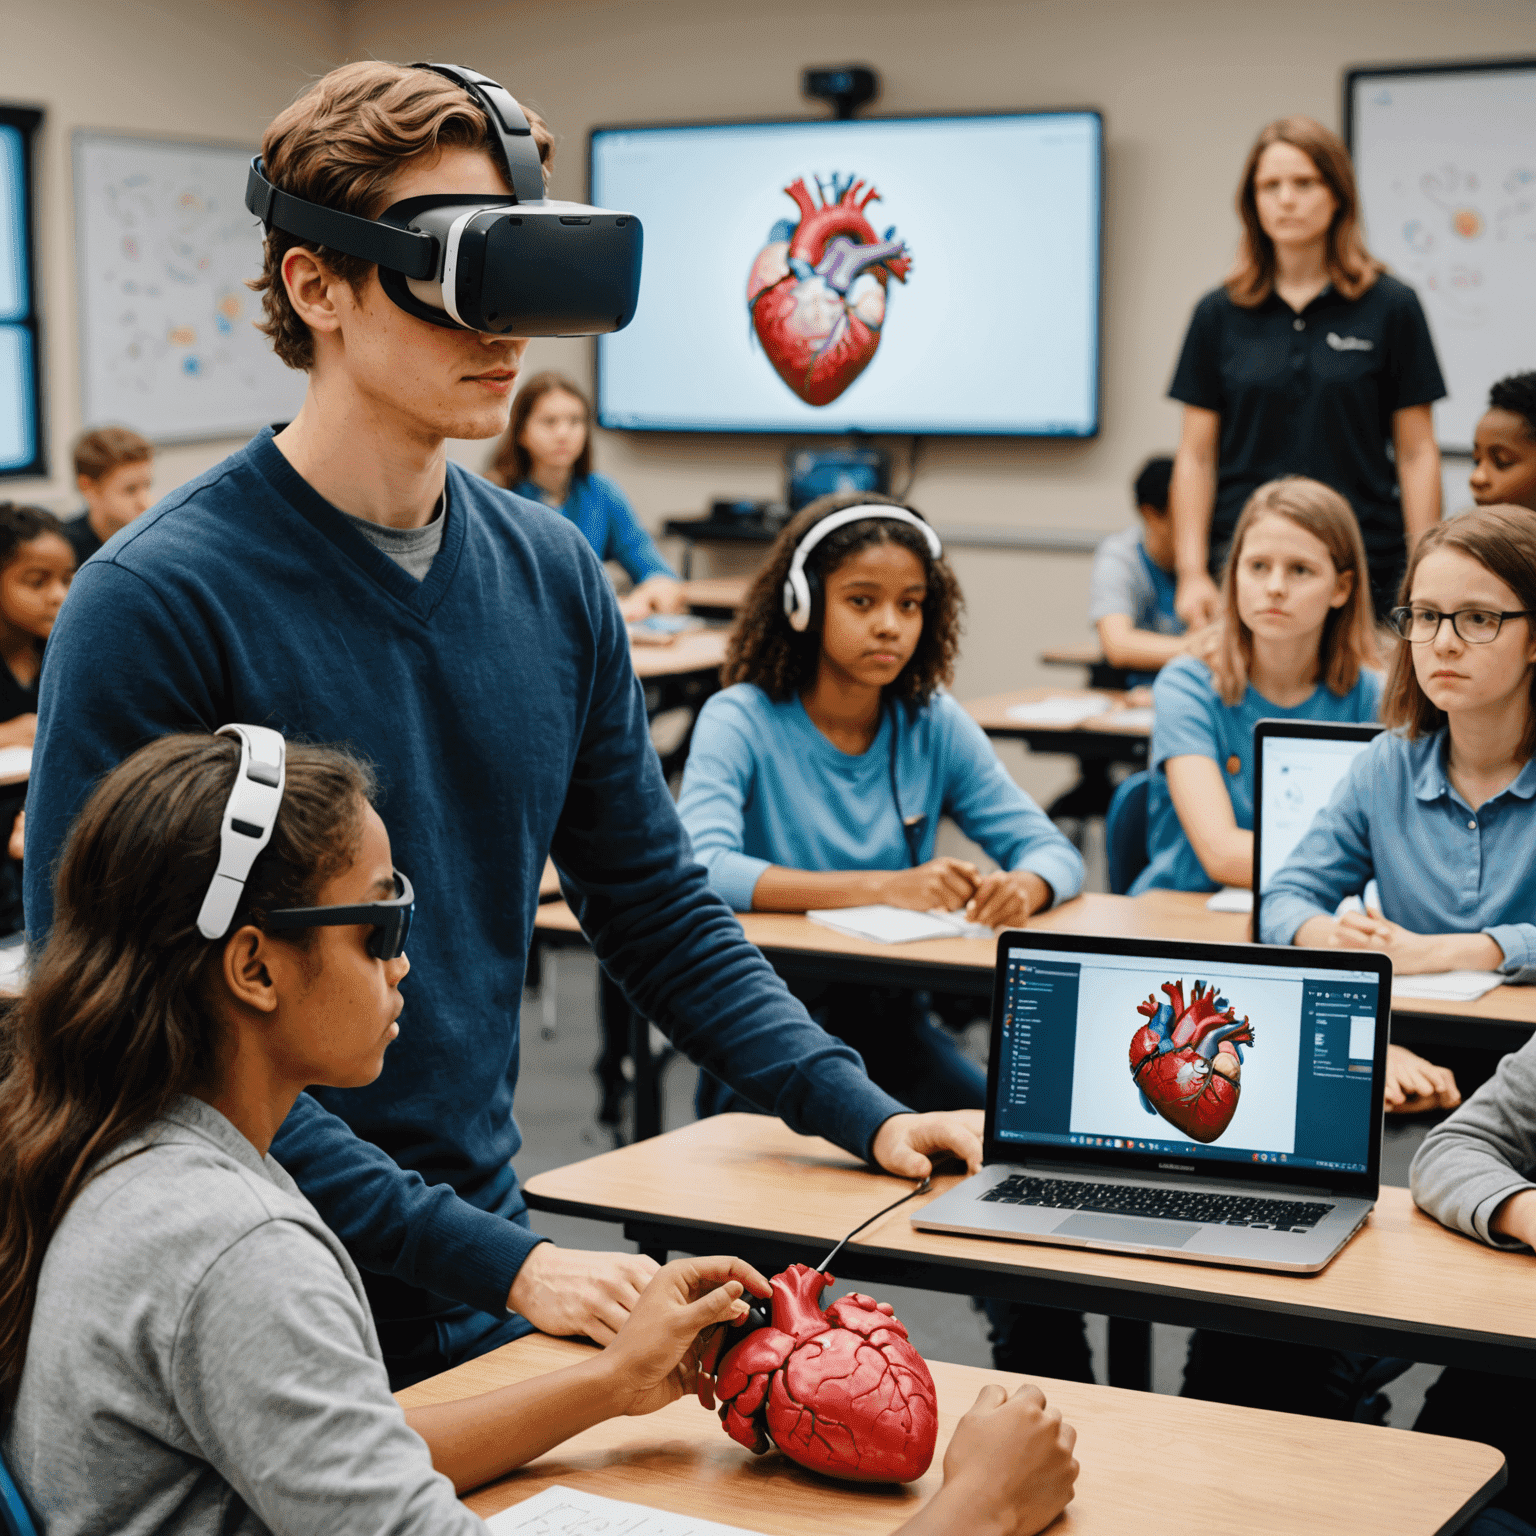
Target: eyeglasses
[(1477, 626), (390, 920)]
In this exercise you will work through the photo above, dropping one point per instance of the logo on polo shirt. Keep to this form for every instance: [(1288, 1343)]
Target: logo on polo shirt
[(1349, 343)]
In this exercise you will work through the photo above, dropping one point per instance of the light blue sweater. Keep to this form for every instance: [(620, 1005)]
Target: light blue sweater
[(763, 786)]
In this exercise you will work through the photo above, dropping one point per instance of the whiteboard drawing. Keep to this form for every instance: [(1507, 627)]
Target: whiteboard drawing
[(164, 247), (1446, 161)]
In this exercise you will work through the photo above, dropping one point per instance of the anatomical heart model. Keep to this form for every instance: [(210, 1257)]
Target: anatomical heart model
[(817, 289), (842, 1391), (1187, 1059)]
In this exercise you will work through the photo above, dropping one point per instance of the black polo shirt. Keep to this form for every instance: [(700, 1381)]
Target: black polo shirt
[(1311, 394), (81, 538)]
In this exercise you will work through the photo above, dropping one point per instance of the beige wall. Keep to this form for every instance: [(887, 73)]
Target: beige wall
[(208, 69)]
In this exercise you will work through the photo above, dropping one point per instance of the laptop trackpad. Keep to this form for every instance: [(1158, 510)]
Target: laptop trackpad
[(1126, 1229)]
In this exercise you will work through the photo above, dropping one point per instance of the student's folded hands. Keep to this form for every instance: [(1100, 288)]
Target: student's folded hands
[(655, 1357), (1410, 953), (1006, 898), (942, 884)]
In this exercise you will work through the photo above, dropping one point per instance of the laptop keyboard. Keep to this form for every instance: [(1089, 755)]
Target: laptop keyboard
[(1158, 1200)]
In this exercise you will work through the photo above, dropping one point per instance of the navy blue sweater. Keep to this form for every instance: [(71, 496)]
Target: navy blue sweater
[(497, 701)]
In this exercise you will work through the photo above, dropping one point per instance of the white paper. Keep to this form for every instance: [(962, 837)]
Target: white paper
[(1141, 719), (897, 925), (1447, 986), (568, 1512), (15, 763), (13, 966), (1064, 709), (1230, 899)]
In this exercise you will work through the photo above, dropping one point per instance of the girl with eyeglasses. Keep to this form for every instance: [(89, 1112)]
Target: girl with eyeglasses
[(1440, 810)]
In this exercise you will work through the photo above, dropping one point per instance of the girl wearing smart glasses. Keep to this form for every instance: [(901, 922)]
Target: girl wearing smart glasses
[(1441, 810)]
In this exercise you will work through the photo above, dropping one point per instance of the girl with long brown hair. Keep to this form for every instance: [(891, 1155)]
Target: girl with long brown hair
[(546, 455), (1309, 360), (185, 1347)]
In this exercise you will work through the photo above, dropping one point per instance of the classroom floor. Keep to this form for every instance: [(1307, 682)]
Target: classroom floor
[(557, 1107)]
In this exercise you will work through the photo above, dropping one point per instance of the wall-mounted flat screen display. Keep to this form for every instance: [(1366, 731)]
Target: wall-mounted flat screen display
[(931, 275), (21, 430)]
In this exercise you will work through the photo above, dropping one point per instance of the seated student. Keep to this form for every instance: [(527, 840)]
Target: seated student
[(114, 469), (546, 455), (185, 1348), (1504, 445), (1130, 599), (1296, 644), (36, 566)]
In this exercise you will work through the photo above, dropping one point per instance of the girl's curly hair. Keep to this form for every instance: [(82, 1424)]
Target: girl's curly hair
[(763, 648)]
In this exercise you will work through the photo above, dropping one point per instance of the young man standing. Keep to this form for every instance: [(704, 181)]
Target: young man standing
[(341, 581)]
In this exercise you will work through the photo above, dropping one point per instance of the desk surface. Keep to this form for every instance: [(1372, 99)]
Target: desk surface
[(991, 714), (1296, 1475), (700, 650), (717, 592), (1156, 915), (749, 1182), (1088, 654)]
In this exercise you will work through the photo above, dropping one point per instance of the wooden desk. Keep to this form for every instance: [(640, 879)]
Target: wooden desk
[(701, 650), (1297, 1476), (1102, 736), (1101, 675), (717, 596), (747, 1184)]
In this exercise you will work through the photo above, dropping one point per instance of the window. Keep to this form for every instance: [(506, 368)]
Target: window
[(21, 426)]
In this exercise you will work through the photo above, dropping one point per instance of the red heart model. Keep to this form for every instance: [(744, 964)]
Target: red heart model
[(1187, 1060), (817, 289), (842, 1391)]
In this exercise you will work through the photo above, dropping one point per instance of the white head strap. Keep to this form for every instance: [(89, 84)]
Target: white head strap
[(249, 816), (797, 590)]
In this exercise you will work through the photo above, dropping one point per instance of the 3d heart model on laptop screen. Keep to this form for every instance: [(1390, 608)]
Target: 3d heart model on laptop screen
[(817, 289), (1187, 1059), (841, 1390)]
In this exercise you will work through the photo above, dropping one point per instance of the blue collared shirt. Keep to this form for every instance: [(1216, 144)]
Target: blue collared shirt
[(1442, 867), (608, 523)]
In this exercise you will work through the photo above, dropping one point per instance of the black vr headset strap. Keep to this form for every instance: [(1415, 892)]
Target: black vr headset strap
[(510, 132), (403, 250)]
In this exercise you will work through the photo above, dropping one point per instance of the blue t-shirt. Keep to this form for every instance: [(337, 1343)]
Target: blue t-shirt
[(1190, 720), (764, 786), (607, 522), (497, 701)]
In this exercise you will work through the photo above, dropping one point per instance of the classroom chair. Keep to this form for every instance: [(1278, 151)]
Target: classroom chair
[(1499, 1522), (14, 1518), (1125, 831)]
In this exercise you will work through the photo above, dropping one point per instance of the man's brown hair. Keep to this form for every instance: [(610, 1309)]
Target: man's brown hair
[(98, 453), (1351, 267), (340, 144)]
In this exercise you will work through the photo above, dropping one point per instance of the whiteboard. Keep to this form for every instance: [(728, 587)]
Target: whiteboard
[(164, 246), (1446, 160)]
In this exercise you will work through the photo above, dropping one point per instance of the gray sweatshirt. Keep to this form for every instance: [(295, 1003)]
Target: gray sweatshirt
[(202, 1360), (1486, 1152)]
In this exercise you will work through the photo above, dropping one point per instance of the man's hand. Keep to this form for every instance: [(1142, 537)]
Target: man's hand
[(906, 1144), (1007, 898), (1414, 1084), (656, 594), (565, 1291), (1204, 642), (1197, 600), (942, 883), (19, 732)]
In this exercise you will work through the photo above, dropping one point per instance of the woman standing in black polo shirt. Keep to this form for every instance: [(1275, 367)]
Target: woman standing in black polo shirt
[(1309, 360)]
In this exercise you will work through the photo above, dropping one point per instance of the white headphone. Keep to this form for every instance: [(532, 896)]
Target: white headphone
[(798, 598), (249, 816)]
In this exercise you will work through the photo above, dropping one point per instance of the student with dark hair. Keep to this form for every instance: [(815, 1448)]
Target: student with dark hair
[(342, 580), (114, 469), (1309, 360), (546, 455), (1504, 445), (1131, 590)]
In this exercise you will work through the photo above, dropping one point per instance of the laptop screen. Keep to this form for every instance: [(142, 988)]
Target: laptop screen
[(1298, 777), (1237, 1063)]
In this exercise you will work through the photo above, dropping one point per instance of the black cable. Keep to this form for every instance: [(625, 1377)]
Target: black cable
[(912, 460), (910, 1195)]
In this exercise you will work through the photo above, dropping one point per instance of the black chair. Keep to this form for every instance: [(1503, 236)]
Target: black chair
[(1125, 831)]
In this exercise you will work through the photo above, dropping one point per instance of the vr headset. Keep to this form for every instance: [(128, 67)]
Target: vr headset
[(523, 265)]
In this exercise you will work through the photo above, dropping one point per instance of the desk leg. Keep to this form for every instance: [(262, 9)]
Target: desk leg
[(647, 1081), (1130, 1354)]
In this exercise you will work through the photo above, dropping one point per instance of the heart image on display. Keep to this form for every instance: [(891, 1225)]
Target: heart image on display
[(840, 1391), (1187, 1059), (817, 289)]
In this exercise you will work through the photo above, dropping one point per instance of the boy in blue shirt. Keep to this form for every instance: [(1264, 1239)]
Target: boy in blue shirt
[(341, 581)]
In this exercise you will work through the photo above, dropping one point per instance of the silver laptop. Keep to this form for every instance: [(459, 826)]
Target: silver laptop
[(1219, 1103), (1297, 766)]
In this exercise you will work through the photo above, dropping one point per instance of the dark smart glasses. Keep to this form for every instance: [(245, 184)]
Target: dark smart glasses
[(390, 920), (1477, 626)]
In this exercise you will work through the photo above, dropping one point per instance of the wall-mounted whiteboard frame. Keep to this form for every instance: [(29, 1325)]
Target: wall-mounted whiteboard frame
[(23, 417), (1445, 155), (163, 249)]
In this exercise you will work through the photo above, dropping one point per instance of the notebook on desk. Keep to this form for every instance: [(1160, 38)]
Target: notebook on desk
[(1219, 1103)]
